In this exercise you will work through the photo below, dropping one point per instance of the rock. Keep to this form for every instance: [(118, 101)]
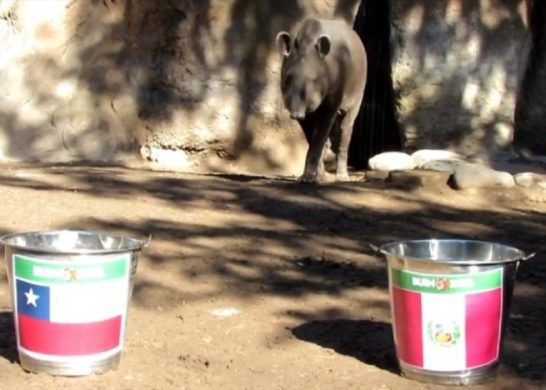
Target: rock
[(418, 179), (530, 179), (442, 165), (468, 176), (377, 175), (534, 194), (423, 156), (391, 161)]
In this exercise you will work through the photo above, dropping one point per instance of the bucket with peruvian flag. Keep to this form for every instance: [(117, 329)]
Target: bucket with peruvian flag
[(449, 304), (70, 293)]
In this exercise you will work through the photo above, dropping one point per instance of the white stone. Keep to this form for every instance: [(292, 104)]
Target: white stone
[(391, 161), (442, 165), (530, 179), (423, 156)]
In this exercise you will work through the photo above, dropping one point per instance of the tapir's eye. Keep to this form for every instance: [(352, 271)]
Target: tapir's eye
[(296, 45)]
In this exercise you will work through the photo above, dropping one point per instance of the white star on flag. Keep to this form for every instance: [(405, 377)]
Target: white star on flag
[(32, 298)]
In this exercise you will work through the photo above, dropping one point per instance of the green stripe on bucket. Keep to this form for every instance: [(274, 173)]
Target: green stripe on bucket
[(446, 284), (52, 271)]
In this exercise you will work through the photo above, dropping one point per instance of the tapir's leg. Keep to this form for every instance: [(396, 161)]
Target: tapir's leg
[(308, 126), (346, 130), (332, 143), (314, 162)]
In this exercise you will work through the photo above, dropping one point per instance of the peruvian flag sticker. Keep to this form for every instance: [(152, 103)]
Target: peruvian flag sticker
[(447, 322)]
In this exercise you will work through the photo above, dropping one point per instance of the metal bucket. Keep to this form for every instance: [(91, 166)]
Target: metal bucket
[(70, 294), (449, 304)]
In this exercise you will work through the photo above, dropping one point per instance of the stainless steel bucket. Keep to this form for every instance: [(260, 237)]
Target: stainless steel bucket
[(449, 304), (70, 293)]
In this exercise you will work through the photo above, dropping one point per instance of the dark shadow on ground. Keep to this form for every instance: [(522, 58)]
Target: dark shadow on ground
[(294, 217), (368, 341), (8, 343)]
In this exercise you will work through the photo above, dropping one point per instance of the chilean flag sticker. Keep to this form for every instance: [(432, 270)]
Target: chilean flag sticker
[(70, 309), (447, 322)]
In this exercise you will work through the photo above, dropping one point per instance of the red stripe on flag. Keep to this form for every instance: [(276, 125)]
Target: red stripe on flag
[(51, 338), (483, 323), (408, 326)]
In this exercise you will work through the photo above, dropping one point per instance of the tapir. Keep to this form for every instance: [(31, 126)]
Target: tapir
[(323, 76)]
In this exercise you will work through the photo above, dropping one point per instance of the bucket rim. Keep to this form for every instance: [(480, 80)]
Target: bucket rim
[(519, 255), (134, 244)]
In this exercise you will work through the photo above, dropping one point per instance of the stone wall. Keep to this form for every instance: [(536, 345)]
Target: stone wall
[(193, 84), (530, 116), (456, 69), (190, 84)]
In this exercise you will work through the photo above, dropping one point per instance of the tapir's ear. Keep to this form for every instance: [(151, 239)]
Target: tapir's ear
[(284, 43), (323, 45)]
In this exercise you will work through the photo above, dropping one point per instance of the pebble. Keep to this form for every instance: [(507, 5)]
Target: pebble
[(469, 176), (224, 312), (391, 161)]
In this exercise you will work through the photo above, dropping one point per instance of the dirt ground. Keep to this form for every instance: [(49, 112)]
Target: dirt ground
[(266, 283)]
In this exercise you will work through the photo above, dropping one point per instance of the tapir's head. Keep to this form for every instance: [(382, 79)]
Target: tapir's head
[(304, 74)]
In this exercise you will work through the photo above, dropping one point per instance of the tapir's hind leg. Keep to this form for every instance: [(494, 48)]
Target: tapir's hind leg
[(331, 147)]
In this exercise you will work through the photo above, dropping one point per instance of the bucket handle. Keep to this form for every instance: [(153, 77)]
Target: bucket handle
[(377, 249), (147, 241), (532, 254)]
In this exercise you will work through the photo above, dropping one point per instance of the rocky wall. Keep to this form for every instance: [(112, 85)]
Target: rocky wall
[(456, 69), (189, 84), (194, 84), (530, 115)]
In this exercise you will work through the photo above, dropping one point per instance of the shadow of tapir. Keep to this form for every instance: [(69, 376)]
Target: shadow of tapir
[(323, 77)]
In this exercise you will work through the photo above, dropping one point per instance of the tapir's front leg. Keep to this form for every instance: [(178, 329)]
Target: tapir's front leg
[(346, 130), (314, 162)]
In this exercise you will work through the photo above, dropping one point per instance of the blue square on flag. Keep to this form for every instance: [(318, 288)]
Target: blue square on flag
[(32, 299)]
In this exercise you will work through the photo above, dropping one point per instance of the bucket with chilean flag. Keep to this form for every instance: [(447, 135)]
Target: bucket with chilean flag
[(70, 293), (449, 304)]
